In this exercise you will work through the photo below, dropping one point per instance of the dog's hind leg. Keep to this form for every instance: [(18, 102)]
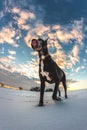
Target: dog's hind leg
[(64, 84), (55, 92)]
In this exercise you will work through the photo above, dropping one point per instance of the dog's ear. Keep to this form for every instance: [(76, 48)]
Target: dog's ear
[(46, 41), (40, 41)]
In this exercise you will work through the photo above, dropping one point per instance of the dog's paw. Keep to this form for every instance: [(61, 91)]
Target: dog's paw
[(40, 104), (57, 98)]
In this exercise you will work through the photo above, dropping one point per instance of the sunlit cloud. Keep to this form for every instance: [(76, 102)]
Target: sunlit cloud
[(38, 31), (11, 57), (75, 33), (5, 60), (30, 69), (56, 27), (63, 34), (75, 51), (60, 58), (79, 68), (16, 10), (7, 35), (7, 63), (34, 53), (74, 55), (22, 18), (11, 52), (41, 29)]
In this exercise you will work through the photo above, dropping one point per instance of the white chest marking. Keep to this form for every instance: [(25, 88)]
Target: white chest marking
[(44, 73)]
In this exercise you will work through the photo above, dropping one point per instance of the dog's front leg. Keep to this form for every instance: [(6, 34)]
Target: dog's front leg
[(42, 92)]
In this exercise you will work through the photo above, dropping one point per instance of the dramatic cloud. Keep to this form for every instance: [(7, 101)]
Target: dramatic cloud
[(75, 33), (75, 51), (30, 69), (38, 31), (7, 36), (22, 18), (74, 55)]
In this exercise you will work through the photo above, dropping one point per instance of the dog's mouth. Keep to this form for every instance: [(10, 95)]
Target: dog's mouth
[(35, 45)]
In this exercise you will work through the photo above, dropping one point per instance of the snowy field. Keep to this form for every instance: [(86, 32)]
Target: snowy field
[(19, 111)]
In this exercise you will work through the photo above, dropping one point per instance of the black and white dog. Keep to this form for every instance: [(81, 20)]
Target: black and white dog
[(48, 70)]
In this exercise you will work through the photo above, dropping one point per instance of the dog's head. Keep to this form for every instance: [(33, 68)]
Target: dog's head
[(40, 45)]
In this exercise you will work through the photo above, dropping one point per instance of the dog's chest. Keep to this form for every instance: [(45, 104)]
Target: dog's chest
[(45, 73)]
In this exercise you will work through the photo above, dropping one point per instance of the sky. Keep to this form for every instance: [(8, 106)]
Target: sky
[(63, 22)]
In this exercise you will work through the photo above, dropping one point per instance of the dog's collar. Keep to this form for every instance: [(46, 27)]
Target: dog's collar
[(43, 57)]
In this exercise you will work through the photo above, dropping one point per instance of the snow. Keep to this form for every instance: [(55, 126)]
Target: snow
[(19, 111)]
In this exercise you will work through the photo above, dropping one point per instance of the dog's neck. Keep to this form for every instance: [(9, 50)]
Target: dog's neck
[(43, 57), (43, 52)]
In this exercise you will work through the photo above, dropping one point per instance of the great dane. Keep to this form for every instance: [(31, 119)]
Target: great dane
[(48, 70)]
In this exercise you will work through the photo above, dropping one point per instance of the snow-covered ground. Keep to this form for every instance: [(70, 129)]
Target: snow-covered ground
[(19, 111)]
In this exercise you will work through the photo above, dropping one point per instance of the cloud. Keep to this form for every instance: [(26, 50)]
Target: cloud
[(11, 52), (16, 79), (38, 31), (10, 67), (75, 51), (79, 68), (11, 57), (74, 58), (86, 51), (30, 69), (23, 14), (5, 60), (1, 14), (22, 18), (7, 63), (34, 53), (66, 35), (56, 27), (7, 35), (16, 10)]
